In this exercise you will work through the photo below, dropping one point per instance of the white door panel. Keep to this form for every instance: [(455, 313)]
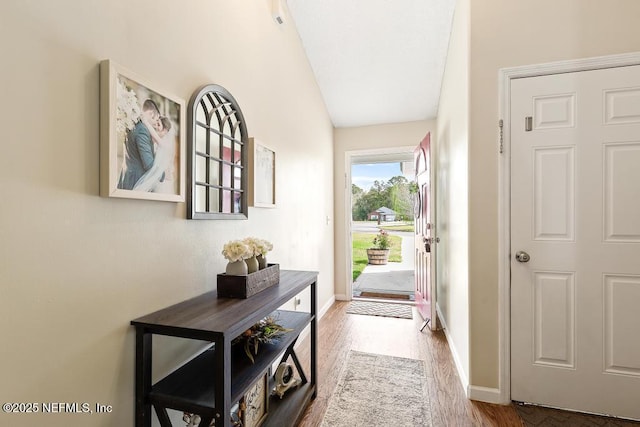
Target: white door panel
[(575, 209)]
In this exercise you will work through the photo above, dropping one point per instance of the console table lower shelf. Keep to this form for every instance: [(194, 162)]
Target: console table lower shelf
[(215, 382), (192, 387)]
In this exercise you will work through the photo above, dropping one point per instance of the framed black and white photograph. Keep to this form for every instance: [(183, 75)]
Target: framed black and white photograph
[(262, 175), (142, 138)]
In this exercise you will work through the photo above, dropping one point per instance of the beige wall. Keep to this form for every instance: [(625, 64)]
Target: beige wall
[(380, 137), (507, 33), (75, 268), (452, 196)]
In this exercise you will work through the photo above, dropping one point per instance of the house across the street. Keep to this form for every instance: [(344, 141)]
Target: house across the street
[(382, 214)]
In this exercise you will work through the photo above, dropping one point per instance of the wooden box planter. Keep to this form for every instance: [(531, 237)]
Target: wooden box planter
[(378, 256), (245, 286)]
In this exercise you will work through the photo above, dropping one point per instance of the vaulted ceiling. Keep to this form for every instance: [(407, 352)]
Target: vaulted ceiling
[(376, 61)]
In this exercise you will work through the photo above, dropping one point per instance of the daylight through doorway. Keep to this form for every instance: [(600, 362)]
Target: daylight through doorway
[(382, 228)]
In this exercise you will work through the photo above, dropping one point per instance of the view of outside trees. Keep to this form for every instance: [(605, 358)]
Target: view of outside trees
[(373, 186), (393, 194)]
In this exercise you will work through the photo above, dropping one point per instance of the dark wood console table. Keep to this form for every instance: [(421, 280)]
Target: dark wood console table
[(213, 381)]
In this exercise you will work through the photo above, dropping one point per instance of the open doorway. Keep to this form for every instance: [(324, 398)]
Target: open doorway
[(381, 217)]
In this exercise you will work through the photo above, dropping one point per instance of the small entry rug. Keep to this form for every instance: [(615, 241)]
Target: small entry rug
[(375, 390), (534, 416), (368, 308)]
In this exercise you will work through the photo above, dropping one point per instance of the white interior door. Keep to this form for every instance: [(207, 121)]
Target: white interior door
[(575, 210)]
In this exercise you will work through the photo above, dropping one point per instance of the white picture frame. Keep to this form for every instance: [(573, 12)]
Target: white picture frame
[(262, 175), (163, 177)]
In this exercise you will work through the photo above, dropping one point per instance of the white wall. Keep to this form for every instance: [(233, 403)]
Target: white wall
[(75, 268), (452, 197), (506, 33), (361, 139)]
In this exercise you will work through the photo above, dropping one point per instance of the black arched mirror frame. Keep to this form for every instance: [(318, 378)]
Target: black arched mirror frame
[(218, 155)]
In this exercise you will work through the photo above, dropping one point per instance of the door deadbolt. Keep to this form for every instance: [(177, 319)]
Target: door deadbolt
[(522, 256)]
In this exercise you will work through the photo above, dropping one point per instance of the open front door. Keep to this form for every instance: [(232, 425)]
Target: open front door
[(424, 241)]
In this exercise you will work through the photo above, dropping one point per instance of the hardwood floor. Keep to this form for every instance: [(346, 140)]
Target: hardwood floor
[(340, 332)]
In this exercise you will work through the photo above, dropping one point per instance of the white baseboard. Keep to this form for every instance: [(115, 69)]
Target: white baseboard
[(473, 392), (486, 394), (326, 307), (342, 297), (305, 333), (456, 359)]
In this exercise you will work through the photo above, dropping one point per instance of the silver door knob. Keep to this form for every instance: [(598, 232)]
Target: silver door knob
[(522, 256)]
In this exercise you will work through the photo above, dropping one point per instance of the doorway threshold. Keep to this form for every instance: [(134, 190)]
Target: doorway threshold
[(384, 297)]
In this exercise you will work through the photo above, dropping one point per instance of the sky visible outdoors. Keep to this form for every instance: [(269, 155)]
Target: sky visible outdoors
[(364, 175)]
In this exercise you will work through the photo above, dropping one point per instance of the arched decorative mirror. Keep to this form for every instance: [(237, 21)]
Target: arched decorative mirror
[(217, 156)]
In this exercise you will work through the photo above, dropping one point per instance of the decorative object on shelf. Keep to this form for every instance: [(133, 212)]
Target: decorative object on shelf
[(193, 420), (262, 175), (264, 248), (237, 268), (262, 261), (243, 255), (379, 253), (284, 379), (218, 145), (252, 264), (254, 405), (249, 285), (142, 138), (235, 415), (266, 331), (259, 248), (236, 251)]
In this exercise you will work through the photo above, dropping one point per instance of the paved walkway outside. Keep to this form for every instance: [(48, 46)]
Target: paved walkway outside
[(394, 278)]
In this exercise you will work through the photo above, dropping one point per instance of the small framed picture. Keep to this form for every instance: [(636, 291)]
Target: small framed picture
[(142, 138), (254, 405), (262, 175)]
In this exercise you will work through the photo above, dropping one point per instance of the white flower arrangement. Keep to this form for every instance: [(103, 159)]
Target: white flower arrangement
[(236, 250), (264, 246), (258, 246), (128, 109)]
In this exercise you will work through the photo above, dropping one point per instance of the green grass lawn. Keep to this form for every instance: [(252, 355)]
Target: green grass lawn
[(400, 227), (362, 242)]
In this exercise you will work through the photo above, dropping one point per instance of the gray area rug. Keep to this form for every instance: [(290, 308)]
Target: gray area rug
[(376, 390), (534, 416), (402, 311)]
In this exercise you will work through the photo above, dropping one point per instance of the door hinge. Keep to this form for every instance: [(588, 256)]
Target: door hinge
[(501, 125), (528, 124)]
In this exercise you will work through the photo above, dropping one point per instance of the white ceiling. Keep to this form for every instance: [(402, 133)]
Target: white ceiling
[(376, 61)]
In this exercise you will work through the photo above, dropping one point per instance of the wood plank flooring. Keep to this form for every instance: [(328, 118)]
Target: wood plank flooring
[(339, 332)]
